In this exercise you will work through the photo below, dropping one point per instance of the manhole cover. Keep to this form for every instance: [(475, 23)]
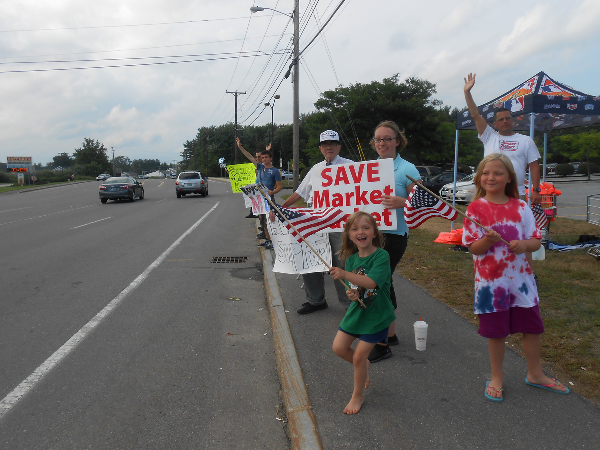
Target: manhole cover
[(229, 259)]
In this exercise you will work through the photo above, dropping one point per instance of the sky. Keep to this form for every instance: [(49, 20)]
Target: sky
[(149, 103)]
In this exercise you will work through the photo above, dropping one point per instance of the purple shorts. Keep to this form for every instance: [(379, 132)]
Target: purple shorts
[(500, 324)]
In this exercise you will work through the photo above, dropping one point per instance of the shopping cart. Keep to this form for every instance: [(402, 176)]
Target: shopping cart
[(548, 204)]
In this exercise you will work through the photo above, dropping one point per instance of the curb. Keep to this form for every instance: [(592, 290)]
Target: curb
[(302, 427)]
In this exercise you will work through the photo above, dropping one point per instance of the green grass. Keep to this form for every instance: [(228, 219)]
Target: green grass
[(569, 289)]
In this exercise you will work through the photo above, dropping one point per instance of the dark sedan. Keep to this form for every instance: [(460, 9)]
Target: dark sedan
[(121, 188), (436, 183)]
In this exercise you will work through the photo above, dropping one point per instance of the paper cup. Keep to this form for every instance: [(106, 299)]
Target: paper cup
[(421, 335)]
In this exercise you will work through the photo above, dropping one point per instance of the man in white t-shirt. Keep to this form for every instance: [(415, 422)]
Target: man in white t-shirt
[(520, 149), (314, 283)]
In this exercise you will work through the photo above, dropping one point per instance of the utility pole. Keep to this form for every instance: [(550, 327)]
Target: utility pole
[(236, 93), (206, 168), (296, 126), (113, 149)]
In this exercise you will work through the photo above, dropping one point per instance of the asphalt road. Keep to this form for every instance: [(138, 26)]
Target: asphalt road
[(572, 204), (183, 358)]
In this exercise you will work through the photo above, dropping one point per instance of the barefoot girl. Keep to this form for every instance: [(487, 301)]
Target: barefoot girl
[(506, 298), (368, 272)]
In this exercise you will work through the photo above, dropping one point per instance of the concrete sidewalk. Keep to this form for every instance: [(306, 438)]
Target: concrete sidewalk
[(432, 399)]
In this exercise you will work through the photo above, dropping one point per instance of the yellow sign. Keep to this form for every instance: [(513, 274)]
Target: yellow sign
[(241, 175)]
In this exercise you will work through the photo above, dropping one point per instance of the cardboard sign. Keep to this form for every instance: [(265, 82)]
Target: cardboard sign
[(241, 175), (254, 199), (356, 187), (293, 257)]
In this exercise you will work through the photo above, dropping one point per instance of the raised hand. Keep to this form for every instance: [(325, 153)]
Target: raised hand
[(469, 82)]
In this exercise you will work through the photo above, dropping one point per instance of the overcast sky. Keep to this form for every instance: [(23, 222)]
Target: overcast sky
[(149, 111)]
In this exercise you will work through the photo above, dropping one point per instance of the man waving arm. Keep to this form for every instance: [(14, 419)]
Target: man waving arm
[(480, 122)]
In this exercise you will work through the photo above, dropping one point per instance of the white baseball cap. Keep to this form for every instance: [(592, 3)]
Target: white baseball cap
[(329, 135)]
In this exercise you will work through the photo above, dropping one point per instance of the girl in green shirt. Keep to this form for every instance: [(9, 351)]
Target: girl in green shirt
[(367, 267)]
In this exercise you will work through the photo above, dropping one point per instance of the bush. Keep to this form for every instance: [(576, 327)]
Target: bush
[(564, 169), (582, 169)]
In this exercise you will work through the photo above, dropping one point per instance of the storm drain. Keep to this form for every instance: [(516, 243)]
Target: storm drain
[(229, 259)]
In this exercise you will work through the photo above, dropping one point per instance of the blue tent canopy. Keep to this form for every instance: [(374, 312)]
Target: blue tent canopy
[(554, 105)]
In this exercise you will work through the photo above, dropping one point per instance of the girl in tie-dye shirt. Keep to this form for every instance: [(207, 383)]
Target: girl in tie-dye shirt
[(506, 297)]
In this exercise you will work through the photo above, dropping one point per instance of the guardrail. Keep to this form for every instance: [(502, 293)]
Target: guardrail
[(593, 209)]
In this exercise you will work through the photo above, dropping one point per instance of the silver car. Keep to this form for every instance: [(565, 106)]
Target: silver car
[(465, 190), (191, 183)]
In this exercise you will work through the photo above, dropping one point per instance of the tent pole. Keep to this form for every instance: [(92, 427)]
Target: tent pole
[(545, 151), (531, 133), (455, 171)]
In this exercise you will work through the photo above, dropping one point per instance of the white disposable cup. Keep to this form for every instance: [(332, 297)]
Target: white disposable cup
[(421, 335)]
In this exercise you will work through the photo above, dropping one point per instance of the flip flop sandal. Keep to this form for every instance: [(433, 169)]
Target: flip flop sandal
[(548, 387), (489, 397)]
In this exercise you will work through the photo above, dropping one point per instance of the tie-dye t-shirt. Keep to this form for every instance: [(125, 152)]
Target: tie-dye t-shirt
[(503, 279)]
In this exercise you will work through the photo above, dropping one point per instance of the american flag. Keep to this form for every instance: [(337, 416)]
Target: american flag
[(421, 205), (308, 221), (540, 215)]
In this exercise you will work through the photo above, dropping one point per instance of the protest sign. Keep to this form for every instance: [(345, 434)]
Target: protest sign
[(241, 175), (254, 199), (293, 257), (356, 187)]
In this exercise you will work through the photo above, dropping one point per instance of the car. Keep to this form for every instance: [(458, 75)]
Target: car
[(465, 190), (436, 183), (121, 188), (427, 172), (191, 183), (102, 177), (173, 176), (287, 175), (142, 177)]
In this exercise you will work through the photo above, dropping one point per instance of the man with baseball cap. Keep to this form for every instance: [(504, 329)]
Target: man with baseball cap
[(314, 283)]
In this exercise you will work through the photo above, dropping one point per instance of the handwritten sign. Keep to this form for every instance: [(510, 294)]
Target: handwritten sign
[(241, 175), (292, 257), (356, 187), (254, 199)]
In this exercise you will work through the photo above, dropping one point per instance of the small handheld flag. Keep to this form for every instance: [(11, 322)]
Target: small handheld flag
[(421, 205), (540, 215), (308, 221)]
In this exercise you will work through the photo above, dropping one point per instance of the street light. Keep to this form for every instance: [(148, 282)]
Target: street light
[(296, 126)]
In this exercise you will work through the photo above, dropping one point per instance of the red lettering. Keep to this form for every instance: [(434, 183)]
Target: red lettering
[(337, 200), (320, 201), (361, 196), (327, 177), (388, 190), (349, 196), (376, 197), (372, 172), (341, 175), (356, 178), (386, 217), (377, 218)]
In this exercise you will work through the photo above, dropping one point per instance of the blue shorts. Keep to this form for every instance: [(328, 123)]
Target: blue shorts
[(380, 336)]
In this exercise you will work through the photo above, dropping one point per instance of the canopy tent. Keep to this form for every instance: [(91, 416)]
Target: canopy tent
[(541, 104)]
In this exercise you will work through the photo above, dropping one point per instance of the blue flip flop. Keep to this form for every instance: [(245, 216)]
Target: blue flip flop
[(548, 387), (489, 397)]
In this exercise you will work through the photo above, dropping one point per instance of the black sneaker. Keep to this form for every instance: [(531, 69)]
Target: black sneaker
[(393, 340), (379, 353), (307, 308), (261, 236), (251, 216), (267, 243)]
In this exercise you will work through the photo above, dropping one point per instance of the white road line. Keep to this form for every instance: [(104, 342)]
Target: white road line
[(95, 221), (26, 385), (46, 215), (16, 209)]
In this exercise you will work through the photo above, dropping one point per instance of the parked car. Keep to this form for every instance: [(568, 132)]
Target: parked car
[(428, 172), (436, 183), (286, 175), (102, 177), (174, 176), (142, 177), (465, 190), (121, 188), (191, 183)]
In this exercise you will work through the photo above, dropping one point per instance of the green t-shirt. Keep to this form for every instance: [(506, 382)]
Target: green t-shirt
[(379, 312)]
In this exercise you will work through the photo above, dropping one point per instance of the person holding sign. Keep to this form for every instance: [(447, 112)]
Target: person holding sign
[(314, 283), (387, 141), (270, 177)]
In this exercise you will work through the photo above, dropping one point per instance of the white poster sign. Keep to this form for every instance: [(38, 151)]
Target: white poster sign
[(292, 257), (356, 187), (254, 199)]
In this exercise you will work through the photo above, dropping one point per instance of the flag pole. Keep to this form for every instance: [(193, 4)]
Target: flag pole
[(449, 205), (302, 237)]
